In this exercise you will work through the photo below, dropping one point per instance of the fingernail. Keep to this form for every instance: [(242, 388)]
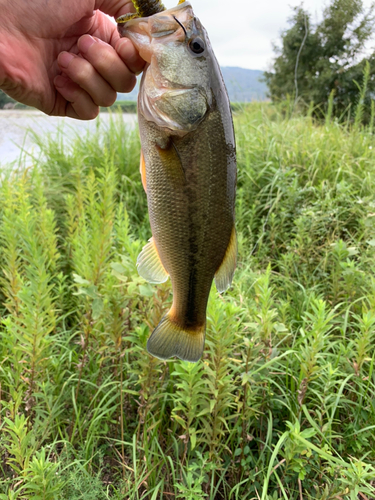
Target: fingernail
[(85, 43), (65, 58), (60, 81)]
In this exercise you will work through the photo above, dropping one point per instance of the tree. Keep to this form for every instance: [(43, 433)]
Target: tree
[(315, 60)]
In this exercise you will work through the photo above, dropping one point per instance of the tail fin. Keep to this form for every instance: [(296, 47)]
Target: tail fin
[(170, 339)]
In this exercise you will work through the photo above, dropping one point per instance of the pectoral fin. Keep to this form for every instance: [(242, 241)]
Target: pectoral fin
[(149, 264), (142, 169), (171, 159), (224, 275)]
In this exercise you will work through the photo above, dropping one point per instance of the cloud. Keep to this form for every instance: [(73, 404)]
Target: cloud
[(242, 32)]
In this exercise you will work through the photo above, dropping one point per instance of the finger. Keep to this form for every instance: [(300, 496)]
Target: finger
[(129, 55), (107, 63), (84, 74), (79, 103)]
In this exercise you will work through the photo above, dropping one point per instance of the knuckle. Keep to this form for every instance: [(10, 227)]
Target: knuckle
[(113, 69), (91, 113), (103, 58), (81, 71), (127, 84), (84, 106), (107, 99)]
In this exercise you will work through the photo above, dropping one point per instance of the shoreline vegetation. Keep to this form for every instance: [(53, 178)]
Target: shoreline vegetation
[(281, 406), (122, 106)]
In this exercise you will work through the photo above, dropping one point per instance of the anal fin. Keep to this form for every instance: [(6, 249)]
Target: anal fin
[(149, 264), (224, 275)]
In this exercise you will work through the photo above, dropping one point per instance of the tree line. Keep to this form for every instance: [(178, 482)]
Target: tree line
[(317, 60)]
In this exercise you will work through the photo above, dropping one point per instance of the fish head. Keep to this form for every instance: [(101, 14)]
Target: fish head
[(175, 91)]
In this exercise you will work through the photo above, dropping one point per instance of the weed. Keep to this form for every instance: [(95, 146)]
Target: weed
[(281, 405)]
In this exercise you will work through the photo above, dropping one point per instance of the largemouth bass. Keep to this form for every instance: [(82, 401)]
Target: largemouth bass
[(188, 167)]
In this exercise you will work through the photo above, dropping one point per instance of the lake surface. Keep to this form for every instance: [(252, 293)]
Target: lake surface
[(15, 126)]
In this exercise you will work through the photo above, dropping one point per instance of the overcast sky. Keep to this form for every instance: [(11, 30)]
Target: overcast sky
[(242, 31)]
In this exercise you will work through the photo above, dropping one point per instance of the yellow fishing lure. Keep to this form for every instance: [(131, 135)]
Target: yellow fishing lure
[(144, 8)]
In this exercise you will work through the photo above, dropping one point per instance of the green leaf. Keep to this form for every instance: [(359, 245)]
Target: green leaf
[(118, 267), (97, 307), (146, 290), (308, 433), (193, 438), (302, 474), (81, 281)]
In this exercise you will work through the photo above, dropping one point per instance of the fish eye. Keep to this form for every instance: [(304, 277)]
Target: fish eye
[(197, 45)]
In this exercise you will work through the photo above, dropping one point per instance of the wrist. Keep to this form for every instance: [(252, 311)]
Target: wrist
[(15, 68), (6, 80), (5, 34), (10, 57)]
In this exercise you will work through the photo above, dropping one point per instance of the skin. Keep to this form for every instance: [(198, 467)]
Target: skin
[(66, 57)]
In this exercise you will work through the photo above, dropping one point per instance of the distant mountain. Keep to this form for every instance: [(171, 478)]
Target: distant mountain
[(243, 85)]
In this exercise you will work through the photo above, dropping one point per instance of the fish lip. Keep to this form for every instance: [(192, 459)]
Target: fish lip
[(137, 28), (122, 27)]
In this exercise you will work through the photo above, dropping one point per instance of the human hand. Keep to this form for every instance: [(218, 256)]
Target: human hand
[(65, 58)]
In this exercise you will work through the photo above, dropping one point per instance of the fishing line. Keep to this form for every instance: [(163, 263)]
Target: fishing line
[(182, 26)]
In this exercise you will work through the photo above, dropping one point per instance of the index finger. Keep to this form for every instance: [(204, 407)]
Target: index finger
[(129, 54), (124, 47)]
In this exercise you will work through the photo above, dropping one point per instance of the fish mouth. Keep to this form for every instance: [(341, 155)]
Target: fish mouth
[(139, 31), (128, 17)]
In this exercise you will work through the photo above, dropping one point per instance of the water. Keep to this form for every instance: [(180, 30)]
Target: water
[(15, 126)]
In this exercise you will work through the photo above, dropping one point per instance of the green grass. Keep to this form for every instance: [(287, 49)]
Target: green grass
[(124, 106), (282, 404)]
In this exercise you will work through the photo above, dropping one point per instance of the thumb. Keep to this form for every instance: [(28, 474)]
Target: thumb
[(114, 8)]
